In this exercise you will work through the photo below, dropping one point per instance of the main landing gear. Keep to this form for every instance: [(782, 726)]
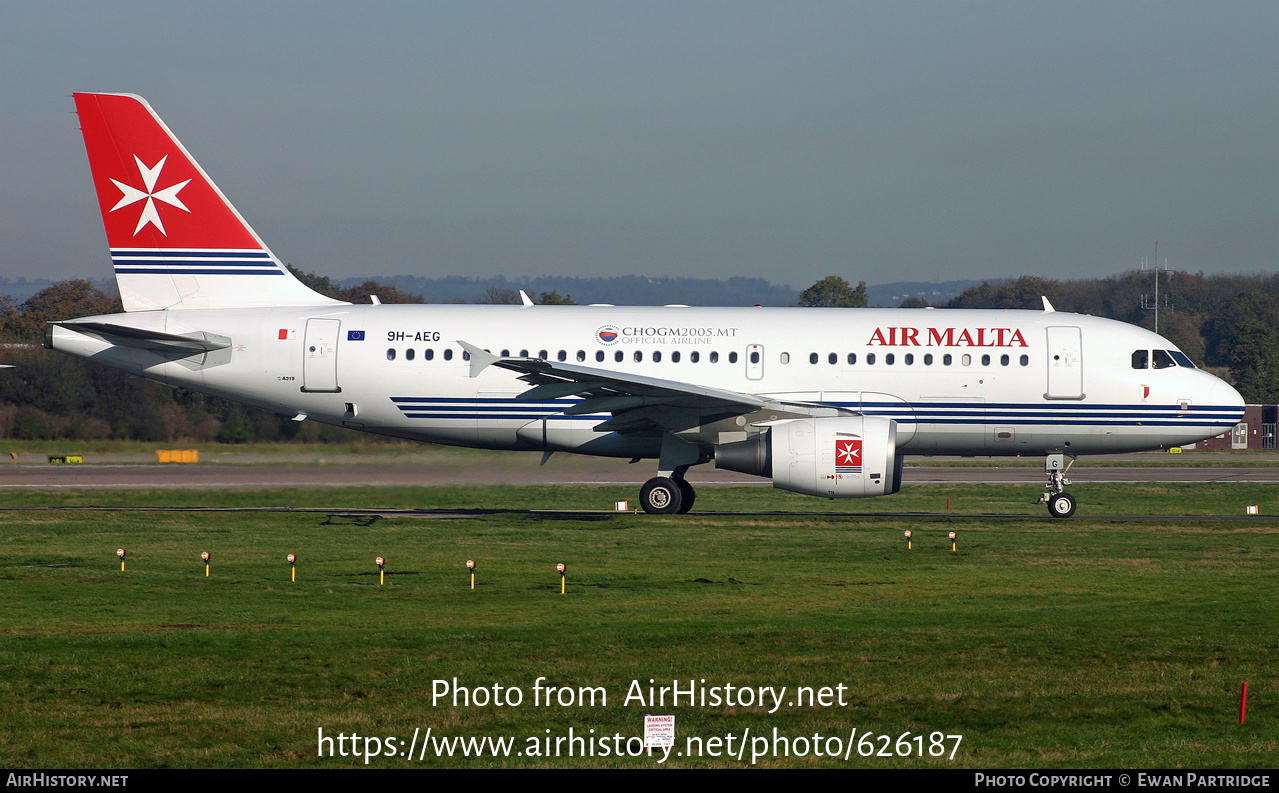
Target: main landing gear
[(667, 495), (1060, 503)]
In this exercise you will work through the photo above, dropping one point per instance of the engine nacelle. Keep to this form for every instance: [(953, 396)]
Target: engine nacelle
[(835, 457)]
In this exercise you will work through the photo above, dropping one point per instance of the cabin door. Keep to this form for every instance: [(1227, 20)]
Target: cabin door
[(319, 356), (1065, 364)]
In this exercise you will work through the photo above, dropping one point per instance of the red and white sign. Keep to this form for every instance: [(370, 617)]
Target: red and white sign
[(659, 732)]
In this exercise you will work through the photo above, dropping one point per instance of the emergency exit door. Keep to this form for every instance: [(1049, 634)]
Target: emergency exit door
[(319, 356)]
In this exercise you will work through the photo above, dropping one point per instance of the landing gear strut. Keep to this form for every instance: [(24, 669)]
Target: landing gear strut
[(666, 495), (1060, 503)]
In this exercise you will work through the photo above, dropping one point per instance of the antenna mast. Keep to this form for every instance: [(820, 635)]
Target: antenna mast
[(1144, 303)]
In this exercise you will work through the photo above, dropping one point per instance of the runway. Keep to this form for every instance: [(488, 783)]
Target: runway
[(521, 469)]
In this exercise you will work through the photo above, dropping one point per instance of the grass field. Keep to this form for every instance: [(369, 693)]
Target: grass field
[(1081, 643)]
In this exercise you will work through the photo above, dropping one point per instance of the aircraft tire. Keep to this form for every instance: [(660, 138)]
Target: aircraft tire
[(1061, 505), (687, 496), (661, 496)]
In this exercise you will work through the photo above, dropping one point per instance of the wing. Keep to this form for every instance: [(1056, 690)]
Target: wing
[(637, 402)]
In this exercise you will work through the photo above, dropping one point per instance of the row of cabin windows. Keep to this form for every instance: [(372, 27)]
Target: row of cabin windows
[(618, 356), (909, 359), (695, 356), (1160, 359)]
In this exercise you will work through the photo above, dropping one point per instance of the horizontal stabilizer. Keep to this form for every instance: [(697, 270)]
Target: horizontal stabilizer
[(192, 343)]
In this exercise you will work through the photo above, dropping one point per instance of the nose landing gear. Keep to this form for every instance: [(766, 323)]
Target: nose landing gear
[(1060, 503)]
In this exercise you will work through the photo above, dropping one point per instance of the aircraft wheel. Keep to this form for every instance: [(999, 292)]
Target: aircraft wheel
[(661, 496), (1062, 505), (687, 496)]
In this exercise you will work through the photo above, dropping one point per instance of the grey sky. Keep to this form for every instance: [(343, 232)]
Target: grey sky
[(881, 141)]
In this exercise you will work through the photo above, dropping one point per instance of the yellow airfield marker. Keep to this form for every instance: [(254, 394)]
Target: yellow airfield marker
[(120, 553), (381, 571), (561, 568), (908, 536), (470, 565), (205, 556), (952, 542), (293, 568)]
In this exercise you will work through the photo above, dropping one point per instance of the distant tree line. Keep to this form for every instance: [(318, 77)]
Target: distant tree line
[(1226, 323)]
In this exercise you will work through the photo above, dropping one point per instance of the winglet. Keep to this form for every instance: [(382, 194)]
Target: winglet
[(480, 359), (525, 299), (1048, 307)]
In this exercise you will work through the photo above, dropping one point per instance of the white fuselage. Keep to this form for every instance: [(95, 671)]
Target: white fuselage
[(967, 382)]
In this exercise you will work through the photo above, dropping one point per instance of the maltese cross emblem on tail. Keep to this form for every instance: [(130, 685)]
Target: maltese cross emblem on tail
[(132, 195)]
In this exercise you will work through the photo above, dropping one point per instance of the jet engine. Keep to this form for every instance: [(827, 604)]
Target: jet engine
[(834, 457)]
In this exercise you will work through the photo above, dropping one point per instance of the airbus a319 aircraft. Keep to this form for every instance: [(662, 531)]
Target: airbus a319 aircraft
[(826, 402)]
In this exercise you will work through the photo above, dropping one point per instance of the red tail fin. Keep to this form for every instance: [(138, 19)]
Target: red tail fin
[(176, 241)]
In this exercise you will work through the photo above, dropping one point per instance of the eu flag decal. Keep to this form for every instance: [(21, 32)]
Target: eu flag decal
[(355, 335)]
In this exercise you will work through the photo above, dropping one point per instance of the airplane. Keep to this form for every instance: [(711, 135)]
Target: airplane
[(826, 402)]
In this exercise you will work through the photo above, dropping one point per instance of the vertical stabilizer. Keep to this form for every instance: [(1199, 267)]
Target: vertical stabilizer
[(176, 241)]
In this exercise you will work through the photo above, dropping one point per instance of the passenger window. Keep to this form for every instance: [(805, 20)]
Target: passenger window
[(542, 354), (561, 355), (928, 359), (870, 359), (985, 360), (832, 359), (947, 359), (675, 357), (428, 353), (523, 353), (852, 358), (966, 360), (1163, 360), (812, 357), (390, 354), (618, 356), (639, 356), (1025, 360), (408, 354), (890, 359), (908, 359), (448, 353), (466, 356), (1004, 360), (754, 356), (657, 356), (1141, 359), (599, 355), (714, 357), (694, 356), (732, 357), (581, 355), (506, 353), (784, 358)]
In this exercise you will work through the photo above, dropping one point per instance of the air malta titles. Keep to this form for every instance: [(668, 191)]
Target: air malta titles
[(947, 337)]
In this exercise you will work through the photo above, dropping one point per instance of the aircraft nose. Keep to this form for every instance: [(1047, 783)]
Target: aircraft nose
[(1224, 394)]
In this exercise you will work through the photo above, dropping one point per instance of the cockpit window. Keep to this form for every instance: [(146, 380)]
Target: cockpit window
[(1141, 359), (1182, 359), (1163, 360)]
